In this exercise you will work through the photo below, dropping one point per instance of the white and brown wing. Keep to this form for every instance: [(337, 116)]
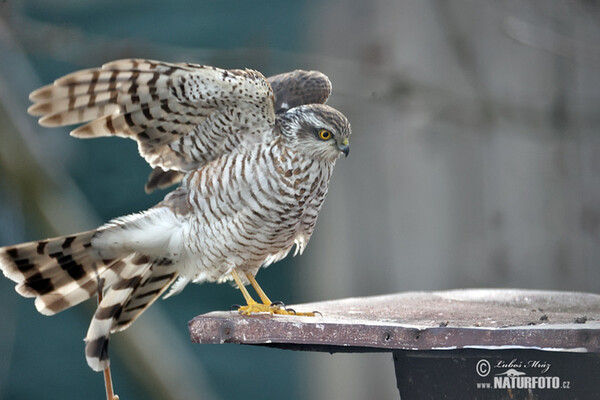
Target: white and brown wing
[(181, 115)]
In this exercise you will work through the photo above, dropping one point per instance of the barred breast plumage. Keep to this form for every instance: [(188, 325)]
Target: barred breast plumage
[(252, 215), (253, 181)]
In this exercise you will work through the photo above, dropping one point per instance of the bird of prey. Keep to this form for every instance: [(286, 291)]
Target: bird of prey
[(253, 158)]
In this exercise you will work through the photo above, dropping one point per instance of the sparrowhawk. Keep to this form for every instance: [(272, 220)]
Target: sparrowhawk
[(253, 157)]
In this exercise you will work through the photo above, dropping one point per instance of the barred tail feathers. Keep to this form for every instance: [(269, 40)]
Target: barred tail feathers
[(142, 282), (59, 272), (132, 259)]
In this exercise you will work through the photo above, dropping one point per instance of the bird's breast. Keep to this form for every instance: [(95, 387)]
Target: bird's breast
[(251, 208)]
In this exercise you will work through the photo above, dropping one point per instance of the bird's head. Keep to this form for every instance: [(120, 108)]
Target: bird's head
[(320, 131)]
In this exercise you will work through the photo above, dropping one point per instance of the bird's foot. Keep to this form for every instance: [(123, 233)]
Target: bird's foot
[(273, 308)]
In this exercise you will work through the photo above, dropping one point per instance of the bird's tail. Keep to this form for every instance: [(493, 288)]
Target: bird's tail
[(64, 271), (59, 272), (142, 282)]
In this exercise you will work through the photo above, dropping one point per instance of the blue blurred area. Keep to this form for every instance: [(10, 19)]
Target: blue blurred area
[(46, 360), (205, 24)]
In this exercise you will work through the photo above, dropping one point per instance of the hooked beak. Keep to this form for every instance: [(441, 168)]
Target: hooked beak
[(344, 147)]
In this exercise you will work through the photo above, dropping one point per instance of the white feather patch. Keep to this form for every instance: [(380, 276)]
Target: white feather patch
[(156, 232)]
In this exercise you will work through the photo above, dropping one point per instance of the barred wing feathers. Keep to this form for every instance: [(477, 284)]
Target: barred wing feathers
[(181, 115)]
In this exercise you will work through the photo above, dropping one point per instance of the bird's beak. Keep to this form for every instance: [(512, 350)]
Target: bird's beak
[(344, 147)]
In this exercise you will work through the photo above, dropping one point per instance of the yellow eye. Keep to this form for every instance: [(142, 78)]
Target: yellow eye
[(324, 134)]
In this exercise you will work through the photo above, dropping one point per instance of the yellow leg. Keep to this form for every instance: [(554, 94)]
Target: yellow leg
[(253, 307), (267, 306), (258, 289), (241, 286)]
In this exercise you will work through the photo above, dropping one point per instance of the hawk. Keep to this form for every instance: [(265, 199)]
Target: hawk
[(253, 158)]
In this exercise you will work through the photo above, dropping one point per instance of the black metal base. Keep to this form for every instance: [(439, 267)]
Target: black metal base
[(513, 374)]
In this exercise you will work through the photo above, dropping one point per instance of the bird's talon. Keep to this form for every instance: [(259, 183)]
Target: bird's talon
[(256, 308), (274, 308), (234, 307)]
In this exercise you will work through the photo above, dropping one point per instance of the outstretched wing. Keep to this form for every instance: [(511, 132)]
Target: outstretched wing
[(181, 115), (291, 89), (299, 87)]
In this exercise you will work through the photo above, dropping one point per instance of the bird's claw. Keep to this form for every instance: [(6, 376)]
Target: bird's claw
[(274, 308)]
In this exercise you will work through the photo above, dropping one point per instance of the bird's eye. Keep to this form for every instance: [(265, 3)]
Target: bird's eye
[(324, 134)]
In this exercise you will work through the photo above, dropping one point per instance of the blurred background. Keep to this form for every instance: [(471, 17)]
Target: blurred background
[(475, 162)]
